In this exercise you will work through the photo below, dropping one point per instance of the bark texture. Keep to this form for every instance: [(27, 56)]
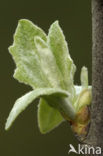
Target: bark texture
[(95, 136)]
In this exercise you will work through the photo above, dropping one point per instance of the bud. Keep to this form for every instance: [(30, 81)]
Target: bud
[(84, 98)]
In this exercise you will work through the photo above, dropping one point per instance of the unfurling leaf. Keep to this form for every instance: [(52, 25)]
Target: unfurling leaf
[(48, 64), (48, 117), (25, 55), (42, 61), (84, 77), (25, 100), (58, 45)]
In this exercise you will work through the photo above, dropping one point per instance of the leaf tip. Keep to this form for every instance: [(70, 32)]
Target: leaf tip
[(23, 21), (42, 131), (56, 23), (7, 125)]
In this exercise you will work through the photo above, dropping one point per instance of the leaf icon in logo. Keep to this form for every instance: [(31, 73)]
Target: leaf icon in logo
[(72, 149)]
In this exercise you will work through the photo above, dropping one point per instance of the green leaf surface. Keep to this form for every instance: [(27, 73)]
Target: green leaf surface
[(42, 61), (58, 45), (48, 117), (48, 64), (25, 55), (25, 100)]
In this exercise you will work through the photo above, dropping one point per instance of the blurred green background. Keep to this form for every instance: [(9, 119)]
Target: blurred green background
[(24, 138)]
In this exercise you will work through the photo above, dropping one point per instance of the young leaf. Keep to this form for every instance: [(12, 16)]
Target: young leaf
[(48, 117), (48, 64), (84, 77), (25, 55), (25, 100), (58, 46), (84, 98)]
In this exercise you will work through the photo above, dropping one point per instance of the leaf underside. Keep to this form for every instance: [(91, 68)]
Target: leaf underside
[(48, 117), (22, 103)]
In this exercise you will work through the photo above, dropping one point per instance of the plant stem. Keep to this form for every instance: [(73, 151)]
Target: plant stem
[(95, 136)]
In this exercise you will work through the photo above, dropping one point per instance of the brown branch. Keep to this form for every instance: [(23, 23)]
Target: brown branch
[(95, 136)]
